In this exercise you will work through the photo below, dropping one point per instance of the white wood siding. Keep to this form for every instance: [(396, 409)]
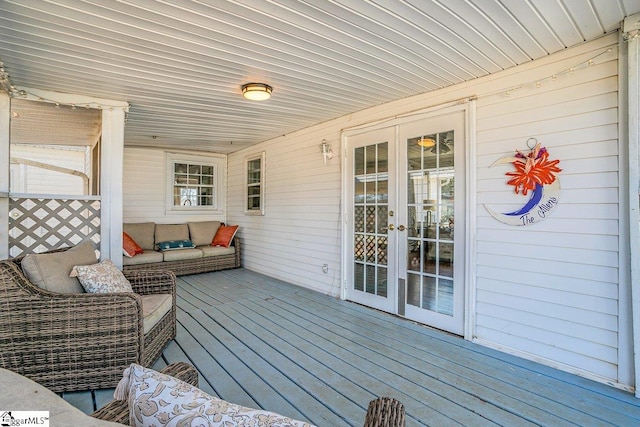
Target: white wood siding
[(551, 290), (44, 181), (301, 228), (144, 190), (548, 292)]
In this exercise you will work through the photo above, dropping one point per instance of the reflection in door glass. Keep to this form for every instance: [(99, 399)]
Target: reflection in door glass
[(370, 209), (430, 198)]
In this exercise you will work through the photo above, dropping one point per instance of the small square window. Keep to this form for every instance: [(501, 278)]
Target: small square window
[(194, 184)]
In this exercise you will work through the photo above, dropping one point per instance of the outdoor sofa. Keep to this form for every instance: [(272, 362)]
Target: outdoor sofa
[(182, 248)]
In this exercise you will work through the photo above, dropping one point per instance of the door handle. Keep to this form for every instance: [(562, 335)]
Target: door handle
[(391, 227), (401, 228)]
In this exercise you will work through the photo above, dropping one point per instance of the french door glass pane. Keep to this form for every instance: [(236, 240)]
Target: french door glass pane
[(370, 210), (430, 199)]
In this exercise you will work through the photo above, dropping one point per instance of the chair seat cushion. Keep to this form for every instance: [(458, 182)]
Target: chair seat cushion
[(154, 307), (182, 254), (216, 250), (146, 257)]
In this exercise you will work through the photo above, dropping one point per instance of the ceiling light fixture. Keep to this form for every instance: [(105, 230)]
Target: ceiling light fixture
[(426, 142), (256, 91)]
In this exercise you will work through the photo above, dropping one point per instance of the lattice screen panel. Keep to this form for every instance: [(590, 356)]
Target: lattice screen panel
[(41, 224)]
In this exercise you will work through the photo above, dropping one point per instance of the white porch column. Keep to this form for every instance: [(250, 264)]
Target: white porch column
[(631, 32), (111, 180), (5, 119)]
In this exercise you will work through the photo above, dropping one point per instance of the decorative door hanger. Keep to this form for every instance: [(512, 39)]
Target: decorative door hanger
[(536, 175)]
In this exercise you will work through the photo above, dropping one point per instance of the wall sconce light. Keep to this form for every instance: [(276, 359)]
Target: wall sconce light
[(325, 148), (256, 91)]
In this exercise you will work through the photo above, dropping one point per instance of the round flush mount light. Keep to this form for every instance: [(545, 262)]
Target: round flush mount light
[(256, 91), (426, 142)]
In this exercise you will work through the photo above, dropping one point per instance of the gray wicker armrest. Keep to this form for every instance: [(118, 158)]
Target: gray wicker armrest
[(118, 410), (145, 282), (385, 412)]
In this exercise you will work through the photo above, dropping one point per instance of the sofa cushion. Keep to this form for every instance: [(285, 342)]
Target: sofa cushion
[(182, 254), (202, 232), (143, 233), (101, 278), (156, 399), (51, 271), (146, 257), (165, 232), (154, 307), (224, 235), (129, 246), (208, 251)]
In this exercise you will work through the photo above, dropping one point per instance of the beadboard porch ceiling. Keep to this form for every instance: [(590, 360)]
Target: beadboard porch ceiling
[(181, 64)]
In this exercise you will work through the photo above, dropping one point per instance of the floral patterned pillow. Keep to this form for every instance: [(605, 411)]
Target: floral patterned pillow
[(158, 400), (101, 278)]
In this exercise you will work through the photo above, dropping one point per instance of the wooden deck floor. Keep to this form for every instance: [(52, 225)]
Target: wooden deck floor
[(264, 343)]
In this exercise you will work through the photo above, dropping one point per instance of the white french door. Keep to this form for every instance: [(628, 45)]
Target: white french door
[(371, 192), (405, 202)]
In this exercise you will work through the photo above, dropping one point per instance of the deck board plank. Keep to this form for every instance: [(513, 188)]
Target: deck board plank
[(314, 385), (401, 380), (487, 364), (444, 366), (225, 384), (264, 343), (355, 379), (284, 395), (493, 372)]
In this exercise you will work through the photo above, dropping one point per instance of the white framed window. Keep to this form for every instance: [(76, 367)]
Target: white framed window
[(194, 183), (254, 184)]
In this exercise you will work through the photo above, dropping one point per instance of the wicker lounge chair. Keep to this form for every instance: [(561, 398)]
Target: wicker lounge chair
[(70, 342), (385, 412), (382, 412), (117, 411)]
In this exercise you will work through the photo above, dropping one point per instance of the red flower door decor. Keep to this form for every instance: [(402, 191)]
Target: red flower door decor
[(535, 175)]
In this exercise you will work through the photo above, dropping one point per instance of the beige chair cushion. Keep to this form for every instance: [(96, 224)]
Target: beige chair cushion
[(182, 254), (217, 250), (202, 232), (145, 258), (165, 232), (154, 307), (142, 233), (51, 271), (22, 394)]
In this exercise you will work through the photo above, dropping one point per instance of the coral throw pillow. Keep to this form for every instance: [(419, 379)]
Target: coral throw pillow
[(224, 235), (129, 246)]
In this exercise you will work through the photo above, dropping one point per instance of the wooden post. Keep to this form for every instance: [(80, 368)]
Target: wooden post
[(111, 180), (5, 120), (631, 31)]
